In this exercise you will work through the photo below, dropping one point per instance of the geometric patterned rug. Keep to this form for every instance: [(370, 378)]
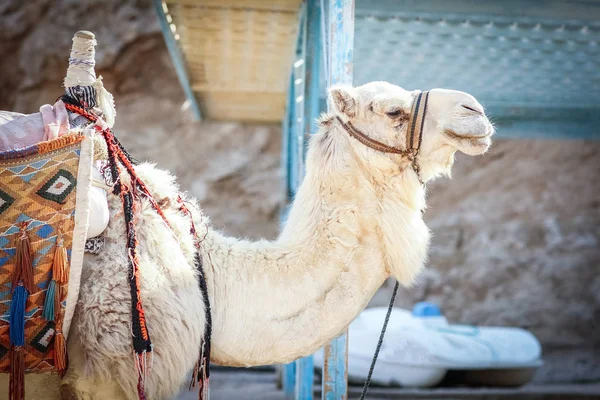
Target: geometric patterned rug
[(45, 186)]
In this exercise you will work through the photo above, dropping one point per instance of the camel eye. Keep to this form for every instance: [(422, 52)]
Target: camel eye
[(394, 113)]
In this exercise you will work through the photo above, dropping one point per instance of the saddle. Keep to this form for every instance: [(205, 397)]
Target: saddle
[(44, 210)]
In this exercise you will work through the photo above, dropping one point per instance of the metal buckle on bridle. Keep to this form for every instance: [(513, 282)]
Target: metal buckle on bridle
[(416, 123)]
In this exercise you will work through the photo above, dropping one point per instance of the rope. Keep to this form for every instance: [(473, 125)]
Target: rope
[(379, 343)]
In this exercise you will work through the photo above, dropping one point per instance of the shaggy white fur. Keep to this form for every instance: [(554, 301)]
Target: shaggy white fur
[(356, 219), (100, 352)]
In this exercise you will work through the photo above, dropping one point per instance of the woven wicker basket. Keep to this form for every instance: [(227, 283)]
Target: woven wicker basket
[(238, 54)]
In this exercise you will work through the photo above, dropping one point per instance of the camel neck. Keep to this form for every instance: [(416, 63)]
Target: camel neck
[(290, 296)]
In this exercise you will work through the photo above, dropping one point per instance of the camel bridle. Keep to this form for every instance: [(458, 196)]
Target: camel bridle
[(414, 137)]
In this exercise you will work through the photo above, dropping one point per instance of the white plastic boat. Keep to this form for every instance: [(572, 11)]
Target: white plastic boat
[(420, 349)]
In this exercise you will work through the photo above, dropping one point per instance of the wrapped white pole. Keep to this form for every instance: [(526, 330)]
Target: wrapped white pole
[(81, 82), (82, 61)]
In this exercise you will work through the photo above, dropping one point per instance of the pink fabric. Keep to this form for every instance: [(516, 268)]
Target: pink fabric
[(20, 130), (56, 120)]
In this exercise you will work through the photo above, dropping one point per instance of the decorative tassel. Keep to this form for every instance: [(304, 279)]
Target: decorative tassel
[(195, 379), (22, 285), (60, 352), (17, 316), (49, 308), (57, 300), (60, 262), (16, 385), (24, 264), (201, 374), (59, 276), (17, 340), (204, 390)]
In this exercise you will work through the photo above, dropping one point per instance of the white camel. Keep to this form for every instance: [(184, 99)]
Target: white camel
[(357, 219)]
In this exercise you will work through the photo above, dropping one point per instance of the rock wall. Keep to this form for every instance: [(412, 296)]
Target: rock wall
[(232, 168), (516, 233)]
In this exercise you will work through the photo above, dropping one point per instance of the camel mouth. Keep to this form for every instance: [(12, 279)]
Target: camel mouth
[(471, 144), (453, 135)]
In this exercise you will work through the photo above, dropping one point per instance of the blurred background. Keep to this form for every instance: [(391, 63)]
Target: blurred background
[(515, 233)]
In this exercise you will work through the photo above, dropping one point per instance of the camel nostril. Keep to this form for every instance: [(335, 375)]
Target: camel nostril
[(472, 109)]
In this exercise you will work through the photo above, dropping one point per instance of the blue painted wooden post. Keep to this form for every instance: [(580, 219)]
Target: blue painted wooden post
[(305, 376), (303, 110), (289, 380), (295, 373), (171, 36), (314, 67), (340, 65), (305, 366), (290, 162)]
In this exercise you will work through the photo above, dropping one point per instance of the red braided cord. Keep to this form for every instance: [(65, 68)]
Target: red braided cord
[(137, 182), (183, 208), (81, 111), (108, 134)]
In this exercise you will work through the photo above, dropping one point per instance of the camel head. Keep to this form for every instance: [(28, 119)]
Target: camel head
[(381, 111)]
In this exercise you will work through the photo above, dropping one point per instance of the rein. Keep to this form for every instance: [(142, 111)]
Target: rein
[(413, 139)]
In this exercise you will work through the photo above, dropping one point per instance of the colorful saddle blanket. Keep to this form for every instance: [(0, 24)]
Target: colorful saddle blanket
[(44, 211)]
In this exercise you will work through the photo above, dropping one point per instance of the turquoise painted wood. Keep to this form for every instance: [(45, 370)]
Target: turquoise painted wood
[(305, 375), (176, 57), (289, 380), (304, 107), (340, 70), (289, 161), (314, 57), (311, 111), (340, 42), (335, 369), (291, 177), (299, 74), (285, 156), (298, 375)]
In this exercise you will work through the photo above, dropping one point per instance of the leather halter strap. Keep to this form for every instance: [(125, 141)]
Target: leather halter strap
[(414, 136)]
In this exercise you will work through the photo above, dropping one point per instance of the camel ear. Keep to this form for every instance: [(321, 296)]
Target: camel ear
[(343, 101)]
